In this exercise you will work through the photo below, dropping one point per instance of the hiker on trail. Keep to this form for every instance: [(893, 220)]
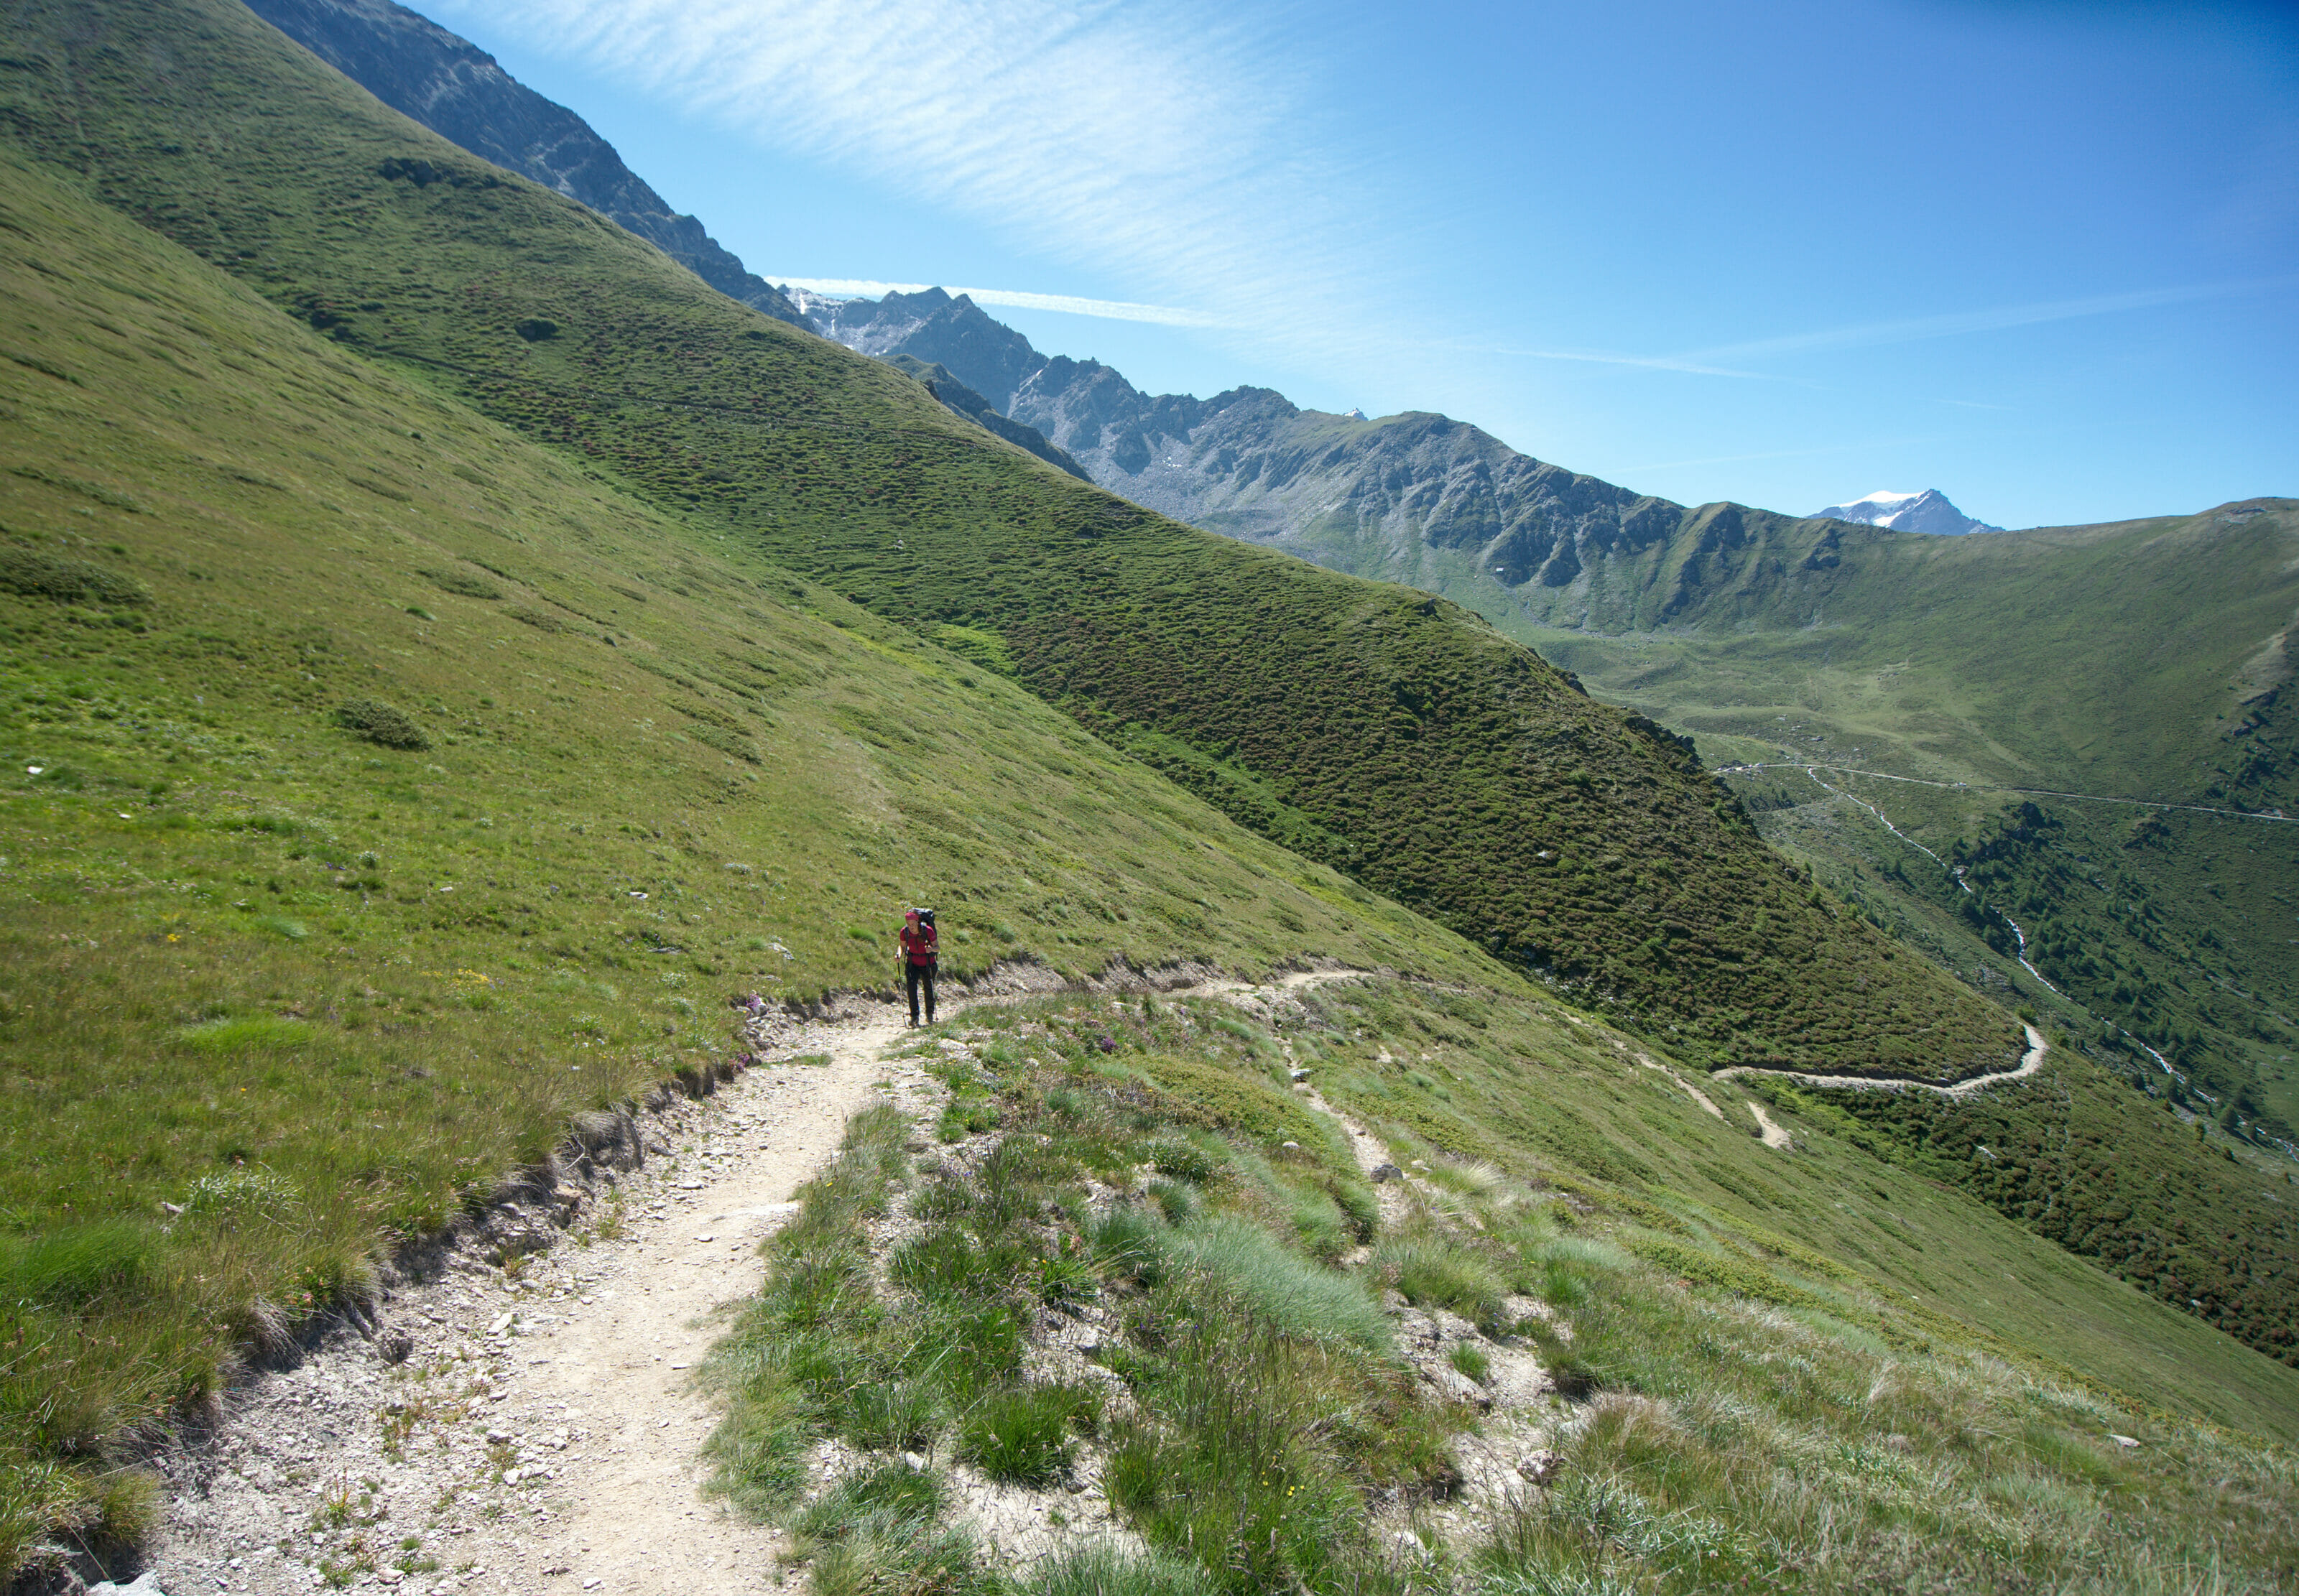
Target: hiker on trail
[(918, 948)]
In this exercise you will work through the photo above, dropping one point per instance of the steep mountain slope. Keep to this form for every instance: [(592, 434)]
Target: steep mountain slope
[(397, 787), (2137, 660), (1378, 731), (461, 92), (2140, 661), (1928, 512), (965, 401), (387, 791)]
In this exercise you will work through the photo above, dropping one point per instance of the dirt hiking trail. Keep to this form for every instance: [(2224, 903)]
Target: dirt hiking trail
[(2030, 1062), (542, 1432)]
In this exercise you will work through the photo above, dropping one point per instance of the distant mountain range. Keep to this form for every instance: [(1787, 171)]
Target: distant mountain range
[(1416, 497), (1928, 512)]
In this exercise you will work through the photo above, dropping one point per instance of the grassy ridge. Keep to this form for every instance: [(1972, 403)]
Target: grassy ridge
[(319, 984), (2100, 657), (1393, 739)]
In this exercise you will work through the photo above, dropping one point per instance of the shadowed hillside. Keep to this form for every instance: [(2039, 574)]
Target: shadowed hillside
[(1393, 737)]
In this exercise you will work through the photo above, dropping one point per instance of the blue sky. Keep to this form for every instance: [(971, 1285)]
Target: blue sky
[(2040, 254)]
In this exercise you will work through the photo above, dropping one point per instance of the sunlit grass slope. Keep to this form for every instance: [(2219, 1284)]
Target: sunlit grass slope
[(2141, 660), (1367, 727), (316, 983), (1793, 1372), (2103, 658)]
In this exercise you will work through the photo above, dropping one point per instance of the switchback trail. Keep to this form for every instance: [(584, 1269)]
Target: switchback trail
[(2030, 1062), (541, 1430)]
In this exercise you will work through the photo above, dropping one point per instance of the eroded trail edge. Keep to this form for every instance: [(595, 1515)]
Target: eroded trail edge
[(541, 1428)]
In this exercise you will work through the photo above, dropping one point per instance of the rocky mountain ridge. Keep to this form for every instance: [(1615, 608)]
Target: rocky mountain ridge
[(462, 94)]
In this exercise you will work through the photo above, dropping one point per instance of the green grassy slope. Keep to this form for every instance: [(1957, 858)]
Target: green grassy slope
[(2094, 658), (318, 991), (2142, 659), (1794, 1358), (1381, 734), (254, 997)]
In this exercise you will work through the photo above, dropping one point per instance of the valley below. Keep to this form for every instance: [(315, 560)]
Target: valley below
[(1500, 1034)]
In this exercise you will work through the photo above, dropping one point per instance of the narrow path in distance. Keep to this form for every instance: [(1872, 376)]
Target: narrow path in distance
[(2030, 1062)]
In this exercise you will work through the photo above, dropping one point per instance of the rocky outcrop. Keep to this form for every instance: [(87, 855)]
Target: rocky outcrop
[(462, 94), (961, 400)]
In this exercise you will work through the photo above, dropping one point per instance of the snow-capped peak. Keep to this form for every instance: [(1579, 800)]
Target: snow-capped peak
[(1928, 512)]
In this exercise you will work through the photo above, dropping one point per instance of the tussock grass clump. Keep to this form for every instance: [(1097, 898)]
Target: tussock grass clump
[(875, 1534), (1103, 1569), (1022, 1436), (1432, 1270), (1290, 1292)]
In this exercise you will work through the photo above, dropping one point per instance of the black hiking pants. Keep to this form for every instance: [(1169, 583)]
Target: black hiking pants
[(920, 975)]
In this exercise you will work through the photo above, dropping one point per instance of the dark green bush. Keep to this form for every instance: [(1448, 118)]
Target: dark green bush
[(37, 575), (382, 724)]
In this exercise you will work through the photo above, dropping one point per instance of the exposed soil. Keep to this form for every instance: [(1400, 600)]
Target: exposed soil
[(539, 1428), (538, 1431), (2030, 1062)]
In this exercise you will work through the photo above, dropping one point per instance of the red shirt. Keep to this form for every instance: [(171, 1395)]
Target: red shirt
[(918, 944)]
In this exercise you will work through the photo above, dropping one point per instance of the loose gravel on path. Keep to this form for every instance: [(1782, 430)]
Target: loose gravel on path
[(541, 1433)]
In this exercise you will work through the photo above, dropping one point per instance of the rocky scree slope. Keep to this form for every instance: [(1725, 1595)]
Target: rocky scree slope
[(462, 94), (1374, 729)]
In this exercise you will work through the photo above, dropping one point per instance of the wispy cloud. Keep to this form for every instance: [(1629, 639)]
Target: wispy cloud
[(1172, 145), (1960, 323), (1108, 309), (1710, 361), (1643, 362)]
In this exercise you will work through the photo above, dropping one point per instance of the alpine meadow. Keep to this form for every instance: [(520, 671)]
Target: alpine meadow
[(479, 698)]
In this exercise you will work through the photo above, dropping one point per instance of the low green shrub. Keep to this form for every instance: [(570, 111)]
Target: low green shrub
[(37, 575), (382, 724)]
